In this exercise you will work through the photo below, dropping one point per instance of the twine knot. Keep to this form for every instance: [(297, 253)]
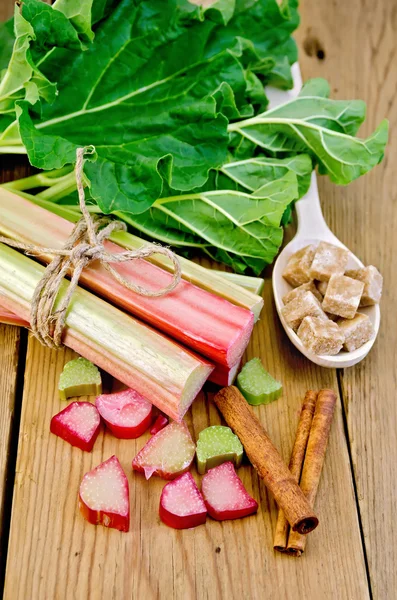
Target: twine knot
[(84, 245)]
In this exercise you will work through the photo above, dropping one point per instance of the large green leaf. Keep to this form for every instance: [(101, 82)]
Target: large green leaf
[(251, 174), (147, 94), (228, 221), (22, 79), (321, 127)]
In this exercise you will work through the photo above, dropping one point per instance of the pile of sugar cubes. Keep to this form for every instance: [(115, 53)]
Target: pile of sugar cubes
[(322, 309)]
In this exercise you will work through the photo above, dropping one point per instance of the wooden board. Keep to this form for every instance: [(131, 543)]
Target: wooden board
[(9, 351), (358, 43), (54, 553)]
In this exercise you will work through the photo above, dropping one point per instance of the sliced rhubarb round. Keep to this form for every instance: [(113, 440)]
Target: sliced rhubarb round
[(181, 503), (104, 496), (225, 495), (167, 454), (127, 414), (78, 424)]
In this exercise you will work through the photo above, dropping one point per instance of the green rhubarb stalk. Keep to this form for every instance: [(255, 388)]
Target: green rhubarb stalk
[(162, 371), (253, 284), (79, 377)]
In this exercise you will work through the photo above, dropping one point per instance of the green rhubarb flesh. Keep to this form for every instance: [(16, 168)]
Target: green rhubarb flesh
[(257, 385), (216, 445), (79, 378)]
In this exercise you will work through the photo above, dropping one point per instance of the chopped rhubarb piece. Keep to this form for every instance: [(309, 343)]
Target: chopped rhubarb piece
[(257, 385), (216, 445), (78, 424), (181, 503), (79, 378), (224, 494), (159, 424), (104, 496), (167, 454), (127, 414)]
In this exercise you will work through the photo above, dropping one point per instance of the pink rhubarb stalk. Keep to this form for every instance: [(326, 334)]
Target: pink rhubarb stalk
[(206, 323), (9, 318), (166, 374), (79, 424), (104, 496), (181, 504), (127, 414)]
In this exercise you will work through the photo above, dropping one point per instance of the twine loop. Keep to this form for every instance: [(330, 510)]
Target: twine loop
[(84, 245)]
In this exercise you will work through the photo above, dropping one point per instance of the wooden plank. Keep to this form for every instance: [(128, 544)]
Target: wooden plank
[(9, 351), (359, 43), (54, 553)]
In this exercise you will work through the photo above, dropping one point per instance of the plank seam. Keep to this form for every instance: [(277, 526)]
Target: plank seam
[(12, 456), (339, 376)]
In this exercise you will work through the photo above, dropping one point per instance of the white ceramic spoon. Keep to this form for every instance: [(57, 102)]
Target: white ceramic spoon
[(312, 228)]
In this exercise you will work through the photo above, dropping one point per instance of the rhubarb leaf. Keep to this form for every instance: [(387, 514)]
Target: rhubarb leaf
[(321, 127), (227, 221), (251, 174), (22, 79), (154, 105)]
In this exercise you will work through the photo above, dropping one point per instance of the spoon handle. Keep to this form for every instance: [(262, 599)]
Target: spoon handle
[(311, 223)]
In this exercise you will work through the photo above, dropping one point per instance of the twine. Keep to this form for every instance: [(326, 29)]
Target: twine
[(85, 245)]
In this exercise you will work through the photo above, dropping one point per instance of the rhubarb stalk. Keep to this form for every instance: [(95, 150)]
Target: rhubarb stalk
[(162, 371), (237, 289), (203, 321)]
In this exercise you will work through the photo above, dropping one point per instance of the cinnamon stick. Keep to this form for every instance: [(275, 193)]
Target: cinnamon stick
[(266, 459), (314, 459), (296, 463)]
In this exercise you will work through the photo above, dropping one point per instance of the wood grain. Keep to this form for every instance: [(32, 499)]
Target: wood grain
[(358, 42), (9, 347), (54, 553)]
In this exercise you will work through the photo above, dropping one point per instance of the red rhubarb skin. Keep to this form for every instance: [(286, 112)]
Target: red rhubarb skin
[(178, 522), (59, 429), (206, 323), (108, 519), (129, 433), (159, 424), (226, 515)]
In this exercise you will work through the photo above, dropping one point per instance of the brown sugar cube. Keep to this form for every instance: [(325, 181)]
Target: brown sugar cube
[(328, 260), (297, 270), (305, 287), (322, 287), (356, 331), (320, 337), (373, 282), (303, 305), (343, 296)]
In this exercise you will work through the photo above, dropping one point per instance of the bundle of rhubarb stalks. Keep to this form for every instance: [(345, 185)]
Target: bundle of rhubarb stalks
[(199, 331)]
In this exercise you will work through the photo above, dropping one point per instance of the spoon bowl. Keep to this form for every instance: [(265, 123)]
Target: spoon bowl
[(313, 229)]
